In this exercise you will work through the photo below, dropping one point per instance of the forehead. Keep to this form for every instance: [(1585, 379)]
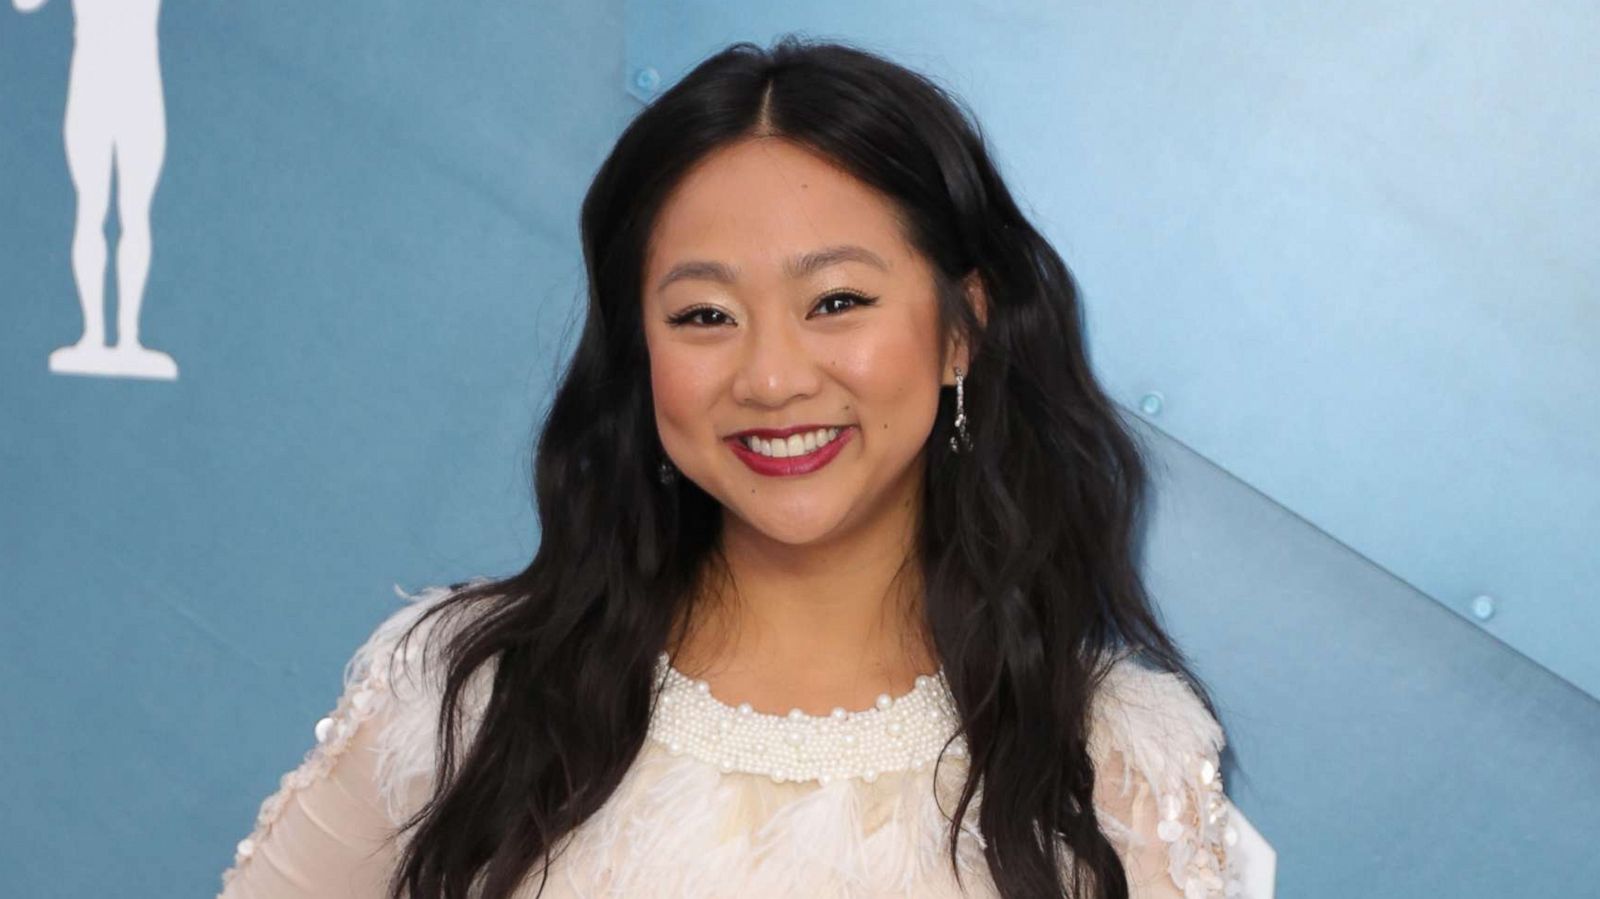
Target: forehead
[(758, 202)]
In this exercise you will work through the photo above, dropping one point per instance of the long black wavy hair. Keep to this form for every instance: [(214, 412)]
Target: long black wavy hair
[(1028, 542)]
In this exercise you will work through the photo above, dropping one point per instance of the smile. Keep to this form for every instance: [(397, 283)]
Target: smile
[(762, 456)]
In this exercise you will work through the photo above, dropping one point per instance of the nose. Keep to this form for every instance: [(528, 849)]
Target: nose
[(776, 363)]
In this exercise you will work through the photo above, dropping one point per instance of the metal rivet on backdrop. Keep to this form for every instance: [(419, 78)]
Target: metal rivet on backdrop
[(1483, 607), (646, 79)]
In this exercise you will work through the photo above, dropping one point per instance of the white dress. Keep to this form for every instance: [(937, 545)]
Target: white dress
[(726, 801)]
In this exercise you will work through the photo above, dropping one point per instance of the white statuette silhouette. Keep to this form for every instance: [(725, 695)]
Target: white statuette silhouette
[(115, 117)]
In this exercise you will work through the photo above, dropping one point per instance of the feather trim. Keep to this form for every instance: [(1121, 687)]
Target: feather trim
[(679, 827), (1170, 740), (406, 679)]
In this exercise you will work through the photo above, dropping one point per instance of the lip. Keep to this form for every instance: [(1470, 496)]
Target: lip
[(773, 433), (790, 465)]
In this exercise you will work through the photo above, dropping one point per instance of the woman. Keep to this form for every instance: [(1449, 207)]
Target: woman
[(803, 622)]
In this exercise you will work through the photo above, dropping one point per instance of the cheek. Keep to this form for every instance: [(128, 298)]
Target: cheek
[(683, 390), (894, 376)]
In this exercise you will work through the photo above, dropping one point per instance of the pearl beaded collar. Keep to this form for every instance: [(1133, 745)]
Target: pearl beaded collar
[(898, 733)]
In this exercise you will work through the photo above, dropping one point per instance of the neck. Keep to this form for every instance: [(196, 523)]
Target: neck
[(833, 622)]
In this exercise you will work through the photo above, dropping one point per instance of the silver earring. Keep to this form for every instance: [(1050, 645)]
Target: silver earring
[(965, 443), (667, 473)]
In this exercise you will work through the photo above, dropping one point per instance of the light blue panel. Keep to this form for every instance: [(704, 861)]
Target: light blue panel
[(365, 263), (1386, 748), (1345, 248)]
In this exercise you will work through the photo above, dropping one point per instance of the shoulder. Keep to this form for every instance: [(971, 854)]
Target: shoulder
[(372, 763), (1155, 718), (1159, 791), (396, 681), (405, 649)]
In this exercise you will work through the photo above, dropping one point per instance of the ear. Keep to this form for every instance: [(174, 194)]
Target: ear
[(956, 351)]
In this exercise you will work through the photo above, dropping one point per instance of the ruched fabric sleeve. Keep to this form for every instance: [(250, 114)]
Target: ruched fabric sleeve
[(331, 829), (1158, 786), (324, 833)]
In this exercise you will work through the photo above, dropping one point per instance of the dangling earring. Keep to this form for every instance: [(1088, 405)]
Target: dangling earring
[(667, 473), (961, 418)]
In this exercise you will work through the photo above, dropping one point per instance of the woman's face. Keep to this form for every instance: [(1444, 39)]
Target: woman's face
[(779, 291)]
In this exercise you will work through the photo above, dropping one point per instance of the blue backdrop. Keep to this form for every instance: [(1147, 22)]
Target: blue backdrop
[(1337, 261)]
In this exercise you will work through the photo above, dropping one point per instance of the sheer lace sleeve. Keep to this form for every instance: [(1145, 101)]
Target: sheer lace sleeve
[(1158, 787), (331, 829)]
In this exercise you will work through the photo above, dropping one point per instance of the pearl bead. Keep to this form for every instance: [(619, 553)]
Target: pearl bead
[(895, 734)]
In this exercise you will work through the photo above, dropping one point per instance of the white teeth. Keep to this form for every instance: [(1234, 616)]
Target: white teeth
[(793, 445)]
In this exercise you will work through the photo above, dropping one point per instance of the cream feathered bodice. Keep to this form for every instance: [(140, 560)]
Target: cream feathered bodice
[(727, 801)]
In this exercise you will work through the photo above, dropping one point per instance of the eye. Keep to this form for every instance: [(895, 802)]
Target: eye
[(856, 299), (691, 315), (696, 315)]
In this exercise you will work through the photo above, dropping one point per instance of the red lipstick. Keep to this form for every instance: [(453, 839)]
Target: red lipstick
[(790, 465)]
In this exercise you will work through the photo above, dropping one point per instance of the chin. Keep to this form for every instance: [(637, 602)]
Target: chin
[(796, 529)]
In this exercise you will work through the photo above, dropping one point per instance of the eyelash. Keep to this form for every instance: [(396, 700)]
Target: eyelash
[(859, 299)]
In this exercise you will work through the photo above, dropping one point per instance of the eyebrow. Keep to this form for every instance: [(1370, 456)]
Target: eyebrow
[(795, 267)]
